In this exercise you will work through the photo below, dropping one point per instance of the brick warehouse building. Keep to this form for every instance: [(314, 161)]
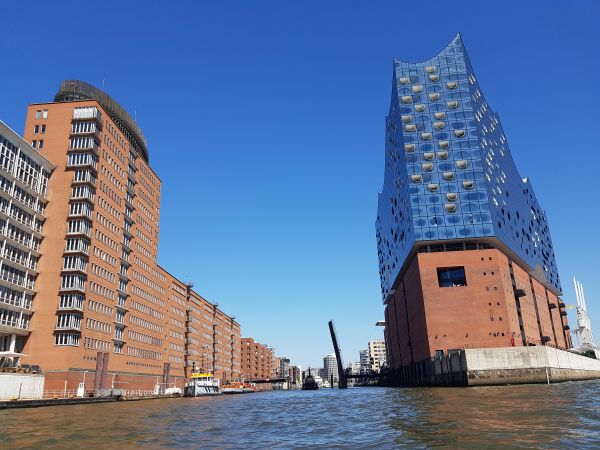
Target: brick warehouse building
[(465, 254), (257, 362), (103, 305)]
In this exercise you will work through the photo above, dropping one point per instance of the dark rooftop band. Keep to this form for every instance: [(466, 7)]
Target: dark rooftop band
[(72, 90)]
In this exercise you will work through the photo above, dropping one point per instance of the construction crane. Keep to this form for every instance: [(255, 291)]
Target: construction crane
[(585, 338)]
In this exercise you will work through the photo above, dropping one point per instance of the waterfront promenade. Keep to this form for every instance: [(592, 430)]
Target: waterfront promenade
[(530, 416)]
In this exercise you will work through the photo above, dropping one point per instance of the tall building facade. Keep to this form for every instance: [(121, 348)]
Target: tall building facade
[(465, 253), (257, 360), (377, 354), (364, 361), (330, 368), (105, 306), (24, 175)]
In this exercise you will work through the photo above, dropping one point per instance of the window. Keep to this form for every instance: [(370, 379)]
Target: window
[(38, 114), (36, 129), (451, 276), (34, 144), (41, 144), (44, 114), (43, 128)]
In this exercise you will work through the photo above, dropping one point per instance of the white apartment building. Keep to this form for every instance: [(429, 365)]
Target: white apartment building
[(377, 354), (24, 175)]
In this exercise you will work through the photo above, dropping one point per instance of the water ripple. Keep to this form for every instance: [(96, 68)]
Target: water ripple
[(535, 416)]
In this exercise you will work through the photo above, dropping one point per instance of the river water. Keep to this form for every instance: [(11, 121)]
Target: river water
[(532, 416)]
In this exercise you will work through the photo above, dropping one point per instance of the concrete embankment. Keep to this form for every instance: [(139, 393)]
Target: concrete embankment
[(497, 366), (517, 365), (10, 404)]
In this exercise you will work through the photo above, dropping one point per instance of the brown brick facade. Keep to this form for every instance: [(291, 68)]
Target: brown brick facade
[(423, 318), (149, 323)]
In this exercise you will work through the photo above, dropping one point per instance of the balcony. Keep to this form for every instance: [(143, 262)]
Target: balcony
[(520, 293), (88, 113), (552, 305), (82, 161), (68, 322), (563, 312), (77, 246), (13, 325), (71, 307), (16, 280), (566, 327), (84, 128), (84, 176), (16, 304), (84, 144), (81, 209)]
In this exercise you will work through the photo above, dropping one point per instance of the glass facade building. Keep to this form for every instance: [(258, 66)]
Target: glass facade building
[(449, 175)]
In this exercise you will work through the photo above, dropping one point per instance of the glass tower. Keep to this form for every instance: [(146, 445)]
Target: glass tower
[(450, 179)]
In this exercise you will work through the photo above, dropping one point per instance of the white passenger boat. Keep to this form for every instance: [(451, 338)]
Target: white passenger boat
[(202, 384)]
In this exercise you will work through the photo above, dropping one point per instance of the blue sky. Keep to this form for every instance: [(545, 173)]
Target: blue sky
[(265, 122)]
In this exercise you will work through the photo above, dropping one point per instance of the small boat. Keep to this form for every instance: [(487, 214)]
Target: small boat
[(233, 387), (202, 384), (309, 383), (237, 387)]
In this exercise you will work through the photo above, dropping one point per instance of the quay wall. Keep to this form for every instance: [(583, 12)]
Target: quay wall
[(127, 381), (515, 365), (21, 386), (497, 366)]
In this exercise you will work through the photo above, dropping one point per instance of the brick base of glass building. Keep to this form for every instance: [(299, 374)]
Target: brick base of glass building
[(450, 300)]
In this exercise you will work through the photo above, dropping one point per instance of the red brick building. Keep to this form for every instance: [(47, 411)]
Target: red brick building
[(257, 360), (103, 304)]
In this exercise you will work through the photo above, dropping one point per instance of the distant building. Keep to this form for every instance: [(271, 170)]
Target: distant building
[(295, 375), (330, 367), (354, 367), (275, 365), (256, 360), (377, 354), (284, 367), (364, 361)]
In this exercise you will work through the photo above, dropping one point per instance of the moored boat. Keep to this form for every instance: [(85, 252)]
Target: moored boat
[(237, 387), (202, 384)]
